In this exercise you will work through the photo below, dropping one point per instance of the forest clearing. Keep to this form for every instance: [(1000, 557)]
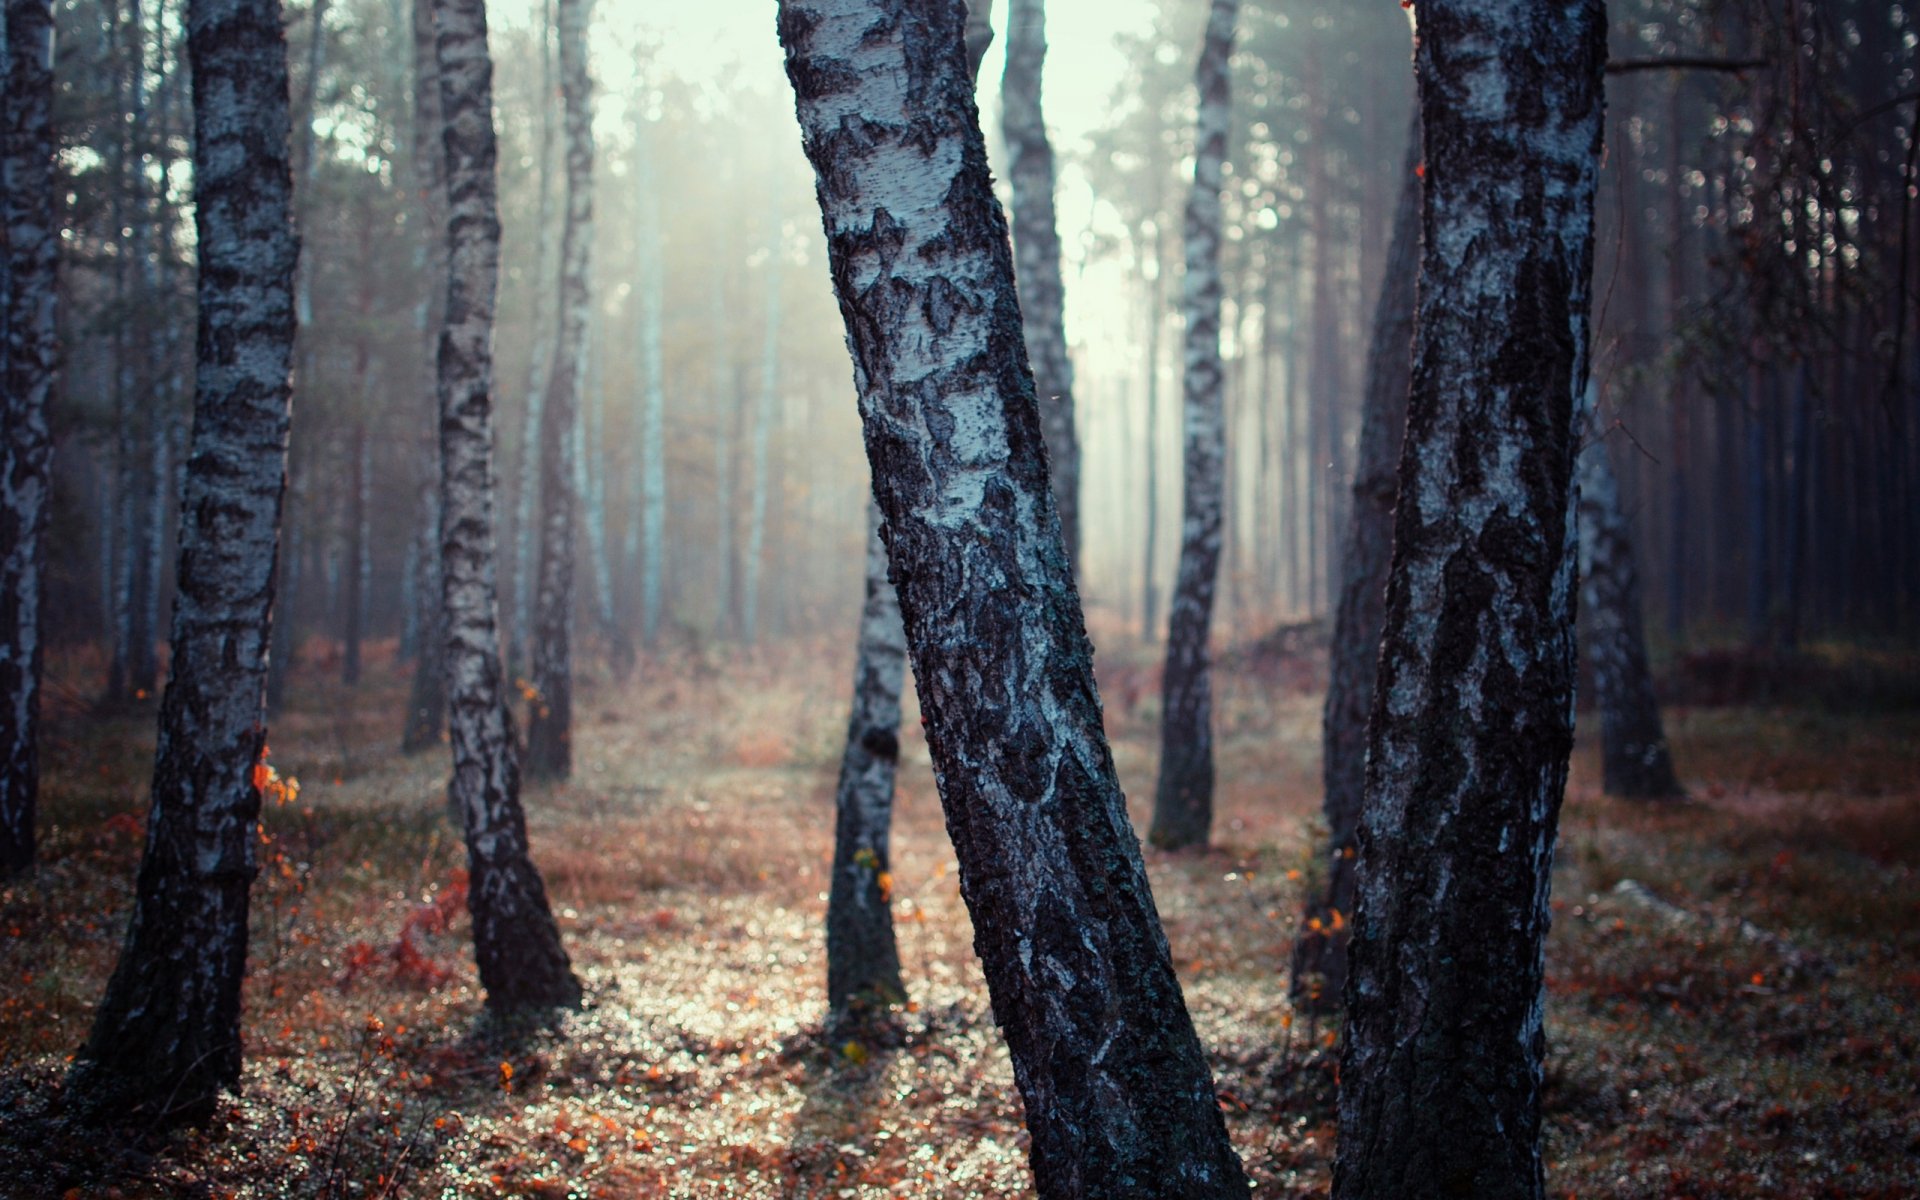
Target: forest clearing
[(687, 861)]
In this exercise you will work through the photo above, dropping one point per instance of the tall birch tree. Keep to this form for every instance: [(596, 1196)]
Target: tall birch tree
[(166, 1038), (1472, 721), (516, 943), (550, 727), (1183, 797), (1117, 1094), (30, 238)]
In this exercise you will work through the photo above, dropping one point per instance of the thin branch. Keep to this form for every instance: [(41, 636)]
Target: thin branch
[(1627, 66)]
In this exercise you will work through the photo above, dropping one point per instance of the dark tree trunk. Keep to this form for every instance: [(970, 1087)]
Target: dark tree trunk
[(1633, 748), (28, 357), (550, 727), (517, 945), (1473, 709), (1183, 797), (166, 1038), (1320, 949), (863, 963), (1117, 1094), (1036, 248)]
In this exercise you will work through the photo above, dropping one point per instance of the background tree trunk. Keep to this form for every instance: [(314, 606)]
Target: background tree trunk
[(1183, 798), (1440, 1074), (526, 513), (166, 1038), (517, 945), (863, 963), (653, 451), (1116, 1087), (28, 357), (1320, 949), (760, 483), (550, 727)]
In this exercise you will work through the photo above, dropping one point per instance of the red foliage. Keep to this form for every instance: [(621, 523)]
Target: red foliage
[(409, 965)]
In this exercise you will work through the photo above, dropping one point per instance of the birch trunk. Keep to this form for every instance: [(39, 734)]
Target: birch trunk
[(28, 358), (522, 964), (863, 961), (1633, 747), (1117, 1094), (653, 451), (758, 484), (725, 410), (550, 725), (1320, 949), (1183, 798), (166, 1038), (1149, 568), (539, 369), (1036, 248), (1473, 708)]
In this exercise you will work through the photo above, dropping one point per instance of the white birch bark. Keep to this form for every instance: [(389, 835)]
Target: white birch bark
[(653, 452)]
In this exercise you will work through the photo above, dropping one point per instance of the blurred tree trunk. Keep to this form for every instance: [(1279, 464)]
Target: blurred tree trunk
[(863, 963), (1156, 318), (29, 355), (526, 513), (1183, 798), (517, 945), (1320, 948), (359, 564), (759, 484), (725, 408), (653, 451), (1036, 249), (166, 1038), (1634, 758), (550, 726), (1116, 1089), (590, 476), (1440, 1074)]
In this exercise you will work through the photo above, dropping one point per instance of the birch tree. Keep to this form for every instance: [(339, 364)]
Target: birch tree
[(550, 727), (1183, 798), (1472, 715), (652, 515), (516, 943), (30, 236), (1117, 1094), (166, 1038), (1036, 249), (759, 483), (1320, 949), (539, 370)]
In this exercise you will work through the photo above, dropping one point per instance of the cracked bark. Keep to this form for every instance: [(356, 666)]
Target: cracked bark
[(1117, 1094), (1183, 797), (166, 1038), (516, 944), (1472, 713)]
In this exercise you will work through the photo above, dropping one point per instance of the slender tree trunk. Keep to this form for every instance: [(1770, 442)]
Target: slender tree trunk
[(724, 408), (28, 357), (359, 568), (653, 450), (1036, 248), (166, 1038), (1117, 1094), (863, 963), (590, 457), (517, 945), (759, 484), (550, 727), (1320, 949), (539, 370), (1633, 747), (1149, 572), (1183, 798), (1440, 1074)]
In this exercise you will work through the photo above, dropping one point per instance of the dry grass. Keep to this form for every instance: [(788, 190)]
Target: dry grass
[(687, 865)]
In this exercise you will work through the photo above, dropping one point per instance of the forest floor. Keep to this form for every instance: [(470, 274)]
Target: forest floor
[(1736, 1021)]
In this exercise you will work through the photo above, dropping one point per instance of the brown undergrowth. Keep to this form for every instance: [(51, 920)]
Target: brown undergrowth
[(1735, 1022)]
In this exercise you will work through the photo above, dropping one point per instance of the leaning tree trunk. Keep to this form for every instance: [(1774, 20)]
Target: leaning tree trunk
[(28, 356), (550, 726), (166, 1038), (1634, 759), (516, 942), (863, 962), (1473, 710), (1183, 798), (1036, 248), (1118, 1098), (1320, 948)]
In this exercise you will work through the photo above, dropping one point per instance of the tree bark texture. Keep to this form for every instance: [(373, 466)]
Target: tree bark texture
[(1118, 1098), (29, 256), (166, 1038), (1320, 949), (1472, 715), (1183, 797), (550, 724), (1036, 250), (863, 962), (1634, 759), (517, 945)]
